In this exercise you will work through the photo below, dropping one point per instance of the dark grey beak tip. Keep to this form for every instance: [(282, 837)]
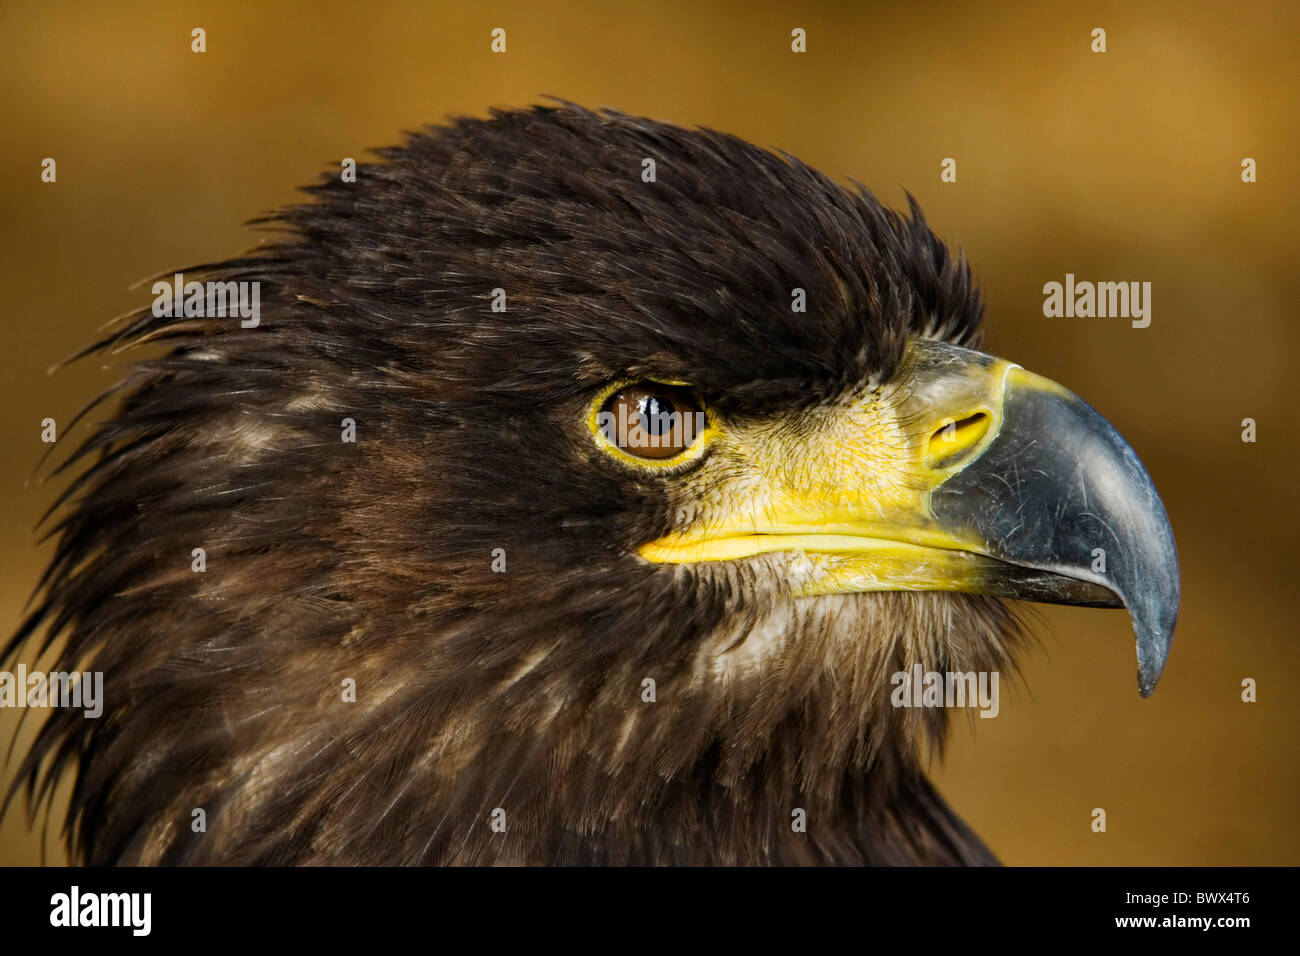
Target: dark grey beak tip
[(1149, 586), (1154, 639), (1148, 676)]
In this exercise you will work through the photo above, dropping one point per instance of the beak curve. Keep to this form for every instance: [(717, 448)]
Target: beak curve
[(992, 480), (1058, 490)]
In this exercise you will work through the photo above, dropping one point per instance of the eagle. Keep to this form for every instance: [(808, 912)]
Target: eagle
[(579, 498)]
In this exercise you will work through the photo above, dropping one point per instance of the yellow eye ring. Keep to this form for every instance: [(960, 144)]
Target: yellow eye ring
[(690, 425)]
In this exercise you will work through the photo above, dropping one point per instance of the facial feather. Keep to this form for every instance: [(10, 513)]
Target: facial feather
[(369, 562)]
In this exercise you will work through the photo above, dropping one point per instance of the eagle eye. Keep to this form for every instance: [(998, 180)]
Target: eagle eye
[(652, 421)]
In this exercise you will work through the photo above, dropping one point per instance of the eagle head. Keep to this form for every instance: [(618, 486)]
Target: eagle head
[(581, 496)]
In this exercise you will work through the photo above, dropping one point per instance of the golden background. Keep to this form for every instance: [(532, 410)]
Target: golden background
[(1115, 166)]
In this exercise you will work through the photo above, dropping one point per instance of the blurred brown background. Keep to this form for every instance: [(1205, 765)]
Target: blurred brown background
[(1115, 166)]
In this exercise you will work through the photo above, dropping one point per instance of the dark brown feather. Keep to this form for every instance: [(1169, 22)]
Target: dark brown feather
[(479, 690)]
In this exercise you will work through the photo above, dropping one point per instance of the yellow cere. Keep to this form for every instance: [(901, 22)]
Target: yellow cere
[(847, 487)]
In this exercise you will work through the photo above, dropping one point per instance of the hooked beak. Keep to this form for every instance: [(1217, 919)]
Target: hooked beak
[(1001, 482)]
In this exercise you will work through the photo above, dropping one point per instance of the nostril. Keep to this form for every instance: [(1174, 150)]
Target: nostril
[(954, 440)]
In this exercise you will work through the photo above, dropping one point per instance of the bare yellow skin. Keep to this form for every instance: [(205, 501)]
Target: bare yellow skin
[(846, 487)]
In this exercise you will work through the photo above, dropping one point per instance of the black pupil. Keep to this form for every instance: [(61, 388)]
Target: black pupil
[(655, 415)]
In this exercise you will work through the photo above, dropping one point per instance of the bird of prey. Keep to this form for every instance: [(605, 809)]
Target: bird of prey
[(566, 508)]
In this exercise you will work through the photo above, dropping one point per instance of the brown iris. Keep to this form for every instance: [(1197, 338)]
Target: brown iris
[(651, 420)]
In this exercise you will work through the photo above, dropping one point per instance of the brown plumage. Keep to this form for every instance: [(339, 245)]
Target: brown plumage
[(372, 561)]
